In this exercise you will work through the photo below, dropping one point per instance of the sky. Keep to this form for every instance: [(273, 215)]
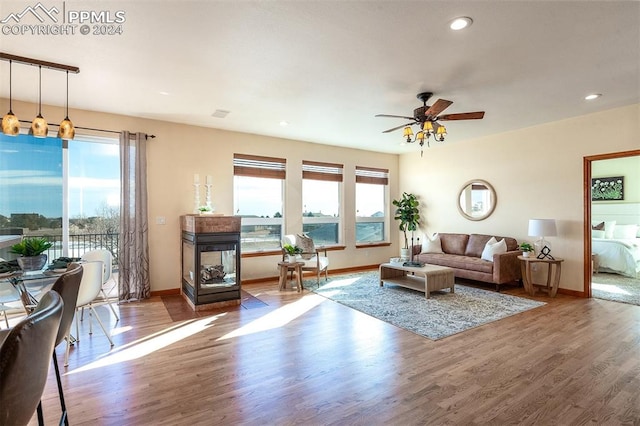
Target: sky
[(31, 176)]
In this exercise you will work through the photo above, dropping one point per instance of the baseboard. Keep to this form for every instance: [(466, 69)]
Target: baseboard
[(574, 293), (169, 292)]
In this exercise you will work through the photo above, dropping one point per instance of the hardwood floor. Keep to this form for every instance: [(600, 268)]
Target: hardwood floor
[(302, 359)]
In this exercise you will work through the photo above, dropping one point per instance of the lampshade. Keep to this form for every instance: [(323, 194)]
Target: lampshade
[(39, 127), (10, 123), (420, 137), (408, 132), (427, 126), (542, 228), (441, 131), (66, 130)]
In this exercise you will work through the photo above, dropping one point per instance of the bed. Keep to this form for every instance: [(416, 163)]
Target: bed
[(619, 256)]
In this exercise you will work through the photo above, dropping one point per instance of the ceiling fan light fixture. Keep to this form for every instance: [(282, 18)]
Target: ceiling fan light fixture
[(427, 126), (10, 123), (440, 133), (460, 23), (407, 133)]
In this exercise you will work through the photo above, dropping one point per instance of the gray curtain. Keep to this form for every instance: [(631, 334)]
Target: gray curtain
[(133, 248)]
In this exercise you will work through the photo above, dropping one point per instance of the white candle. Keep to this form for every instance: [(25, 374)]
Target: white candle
[(196, 179), (209, 180)]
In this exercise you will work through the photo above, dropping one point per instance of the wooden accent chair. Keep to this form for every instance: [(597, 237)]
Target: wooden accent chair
[(314, 259)]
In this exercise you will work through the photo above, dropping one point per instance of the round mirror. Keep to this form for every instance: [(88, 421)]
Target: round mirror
[(477, 200)]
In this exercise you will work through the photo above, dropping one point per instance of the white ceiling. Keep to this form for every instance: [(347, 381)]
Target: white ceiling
[(327, 67)]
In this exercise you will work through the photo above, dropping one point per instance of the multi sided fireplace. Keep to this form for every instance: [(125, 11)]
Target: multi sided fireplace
[(210, 260)]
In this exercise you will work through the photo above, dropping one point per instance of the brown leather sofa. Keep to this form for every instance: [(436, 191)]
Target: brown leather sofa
[(462, 253)]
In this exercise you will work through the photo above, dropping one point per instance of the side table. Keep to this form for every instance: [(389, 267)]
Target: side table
[(553, 279), (285, 267)]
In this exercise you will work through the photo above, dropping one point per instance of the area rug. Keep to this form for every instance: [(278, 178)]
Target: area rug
[(442, 315), (616, 287)]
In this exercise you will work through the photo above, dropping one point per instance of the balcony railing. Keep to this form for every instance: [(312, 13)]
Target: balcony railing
[(81, 243)]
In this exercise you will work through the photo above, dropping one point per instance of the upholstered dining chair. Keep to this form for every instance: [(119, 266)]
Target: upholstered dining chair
[(25, 351), (106, 258), (67, 286), (315, 260)]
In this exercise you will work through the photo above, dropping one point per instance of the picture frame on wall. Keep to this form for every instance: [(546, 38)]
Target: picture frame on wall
[(607, 188)]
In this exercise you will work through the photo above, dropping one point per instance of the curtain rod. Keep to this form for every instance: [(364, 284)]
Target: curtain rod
[(89, 128)]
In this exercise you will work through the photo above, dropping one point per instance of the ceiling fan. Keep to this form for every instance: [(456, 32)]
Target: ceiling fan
[(427, 118)]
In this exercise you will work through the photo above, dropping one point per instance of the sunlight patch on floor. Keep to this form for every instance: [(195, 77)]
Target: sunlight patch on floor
[(608, 288), (277, 318), (150, 344), (119, 330)]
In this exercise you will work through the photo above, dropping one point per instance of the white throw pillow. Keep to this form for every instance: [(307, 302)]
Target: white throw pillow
[(625, 232), (493, 247), (432, 244), (597, 234), (609, 226)]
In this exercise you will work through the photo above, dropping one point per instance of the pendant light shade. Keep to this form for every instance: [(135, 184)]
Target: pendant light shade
[(10, 123), (39, 126), (66, 130)]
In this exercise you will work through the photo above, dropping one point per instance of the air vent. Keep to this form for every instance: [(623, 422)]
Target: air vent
[(220, 113)]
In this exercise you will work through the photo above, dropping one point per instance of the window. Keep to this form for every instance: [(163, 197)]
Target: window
[(66, 191), (258, 184), (321, 188), (371, 202)]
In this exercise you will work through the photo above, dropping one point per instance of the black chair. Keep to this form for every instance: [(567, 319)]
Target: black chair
[(67, 286), (24, 361)]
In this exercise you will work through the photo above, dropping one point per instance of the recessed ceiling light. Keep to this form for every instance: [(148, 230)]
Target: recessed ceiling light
[(592, 96), (284, 123), (460, 23), (164, 93)]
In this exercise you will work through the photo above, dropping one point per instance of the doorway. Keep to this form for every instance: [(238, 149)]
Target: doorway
[(591, 261)]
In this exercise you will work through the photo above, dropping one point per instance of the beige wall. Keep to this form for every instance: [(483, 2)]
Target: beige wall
[(179, 151), (537, 173)]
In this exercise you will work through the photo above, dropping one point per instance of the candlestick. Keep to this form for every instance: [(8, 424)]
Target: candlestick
[(196, 197), (209, 180), (196, 179), (208, 195)]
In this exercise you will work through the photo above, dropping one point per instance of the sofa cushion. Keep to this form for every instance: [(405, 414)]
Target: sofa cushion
[(493, 247), (476, 244), (457, 262), (454, 243), (307, 246), (432, 245)]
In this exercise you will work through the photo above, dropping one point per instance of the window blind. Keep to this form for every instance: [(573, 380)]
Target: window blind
[(257, 166), (322, 171), (372, 175)]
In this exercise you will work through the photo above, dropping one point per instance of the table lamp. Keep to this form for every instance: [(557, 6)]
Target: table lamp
[(542, 228)]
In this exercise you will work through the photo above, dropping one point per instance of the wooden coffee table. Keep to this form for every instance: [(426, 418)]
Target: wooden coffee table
[(426, 278)]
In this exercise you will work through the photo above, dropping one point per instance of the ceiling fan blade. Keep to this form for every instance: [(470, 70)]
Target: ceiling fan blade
[(463, 116), (395, 116), (437, 107), (399, 127)]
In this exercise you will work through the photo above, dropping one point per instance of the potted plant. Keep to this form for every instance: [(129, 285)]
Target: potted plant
[(31, 251), (408, 215), (527, 249), (205, 210), (291, 252)]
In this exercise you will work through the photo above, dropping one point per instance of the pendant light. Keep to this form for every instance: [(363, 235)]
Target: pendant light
[(39, 127), (10, 123), (66, 130)]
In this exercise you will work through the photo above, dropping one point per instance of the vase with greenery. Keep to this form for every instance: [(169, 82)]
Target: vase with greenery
[(31, 251), (408, 214), (291, 252), (527, 249)]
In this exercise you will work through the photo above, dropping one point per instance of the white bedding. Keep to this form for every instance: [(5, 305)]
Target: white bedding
[(618, 256)]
